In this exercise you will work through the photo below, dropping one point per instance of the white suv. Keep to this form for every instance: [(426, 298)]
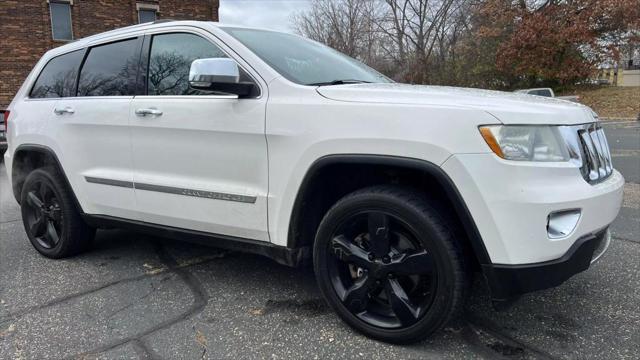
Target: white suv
[(270, 143)]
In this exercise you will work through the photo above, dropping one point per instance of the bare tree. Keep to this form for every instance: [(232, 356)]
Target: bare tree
[(422, 32), (403, 38), (168, 74), (345, 25)]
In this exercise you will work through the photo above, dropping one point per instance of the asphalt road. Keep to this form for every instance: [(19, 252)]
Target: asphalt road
[(135, 296)]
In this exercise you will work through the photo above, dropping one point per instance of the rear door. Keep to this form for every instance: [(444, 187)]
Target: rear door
[(56, 80), (94, 128), (200, 158)]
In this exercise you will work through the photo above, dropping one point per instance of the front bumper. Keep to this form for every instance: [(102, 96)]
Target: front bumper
[(508, 281), (510, 203)]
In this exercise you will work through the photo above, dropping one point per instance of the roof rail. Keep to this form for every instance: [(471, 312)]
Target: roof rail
[(163, 21)]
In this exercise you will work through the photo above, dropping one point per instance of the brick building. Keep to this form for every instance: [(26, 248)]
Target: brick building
[(28, 28)]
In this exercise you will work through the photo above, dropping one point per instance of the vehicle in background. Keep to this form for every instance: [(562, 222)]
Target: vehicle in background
[(3, 138), (548, 92), (599, 82)]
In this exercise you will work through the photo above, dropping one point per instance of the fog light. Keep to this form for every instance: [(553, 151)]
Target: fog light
[(562, 223)]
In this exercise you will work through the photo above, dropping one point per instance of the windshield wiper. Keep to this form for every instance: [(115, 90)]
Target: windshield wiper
[(339, 82)]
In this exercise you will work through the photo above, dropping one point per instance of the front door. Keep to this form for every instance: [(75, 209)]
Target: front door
[(200, 158)]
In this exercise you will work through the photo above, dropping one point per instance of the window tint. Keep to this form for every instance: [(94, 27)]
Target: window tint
[(61, 21), (110, 70), (145, 16), (303, 61), (170, 61), (58, 78)]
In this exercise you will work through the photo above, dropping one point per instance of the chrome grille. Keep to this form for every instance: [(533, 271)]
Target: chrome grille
[(596, 164)]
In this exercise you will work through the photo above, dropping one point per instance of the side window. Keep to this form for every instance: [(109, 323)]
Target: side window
[(58, 77), (170, 60), (110, 70)]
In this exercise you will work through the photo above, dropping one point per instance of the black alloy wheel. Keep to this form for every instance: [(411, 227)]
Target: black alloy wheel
[(50, 216), (389, 264), (43, 216), (380, 271)]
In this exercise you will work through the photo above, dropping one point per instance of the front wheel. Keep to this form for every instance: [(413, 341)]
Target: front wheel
[(389, 265)]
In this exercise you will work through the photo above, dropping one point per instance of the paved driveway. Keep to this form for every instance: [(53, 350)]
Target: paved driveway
[(136, 296)]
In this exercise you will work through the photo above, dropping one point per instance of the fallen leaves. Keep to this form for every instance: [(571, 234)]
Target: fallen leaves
[(8, 330), (257, 312), (615, 102), (201, 339), (153, 270)]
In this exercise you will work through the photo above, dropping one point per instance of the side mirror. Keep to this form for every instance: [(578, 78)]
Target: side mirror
[(220, 75)]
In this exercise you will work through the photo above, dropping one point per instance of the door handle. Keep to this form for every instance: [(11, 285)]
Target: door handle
[(150, 111), (65, 110)]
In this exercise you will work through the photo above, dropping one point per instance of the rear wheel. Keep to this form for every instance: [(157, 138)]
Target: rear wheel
[(50, 217), (389, 265)]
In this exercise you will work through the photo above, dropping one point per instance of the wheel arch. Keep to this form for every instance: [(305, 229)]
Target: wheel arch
[(296, 237), (28, 157)]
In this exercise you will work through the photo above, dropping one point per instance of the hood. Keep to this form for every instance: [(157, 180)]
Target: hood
[(507, 107)]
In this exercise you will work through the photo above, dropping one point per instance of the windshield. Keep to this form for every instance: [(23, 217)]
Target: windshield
[(304, 61)]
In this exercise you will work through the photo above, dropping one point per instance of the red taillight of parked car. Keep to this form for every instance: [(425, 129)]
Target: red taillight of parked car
[(6, 121)]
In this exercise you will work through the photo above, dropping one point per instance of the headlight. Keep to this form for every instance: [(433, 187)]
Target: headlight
[(526, 142)]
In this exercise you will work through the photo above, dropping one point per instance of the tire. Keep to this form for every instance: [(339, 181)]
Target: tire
[(398, 290), (50, 217)]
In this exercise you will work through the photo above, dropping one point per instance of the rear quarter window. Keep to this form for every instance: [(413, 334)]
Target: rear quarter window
[(58, 78), (111, 69)]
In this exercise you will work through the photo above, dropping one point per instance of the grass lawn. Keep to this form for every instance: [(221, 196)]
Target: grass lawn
[(611, 101)]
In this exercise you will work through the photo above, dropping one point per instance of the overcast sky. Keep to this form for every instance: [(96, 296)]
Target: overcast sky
[(271, 14)]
